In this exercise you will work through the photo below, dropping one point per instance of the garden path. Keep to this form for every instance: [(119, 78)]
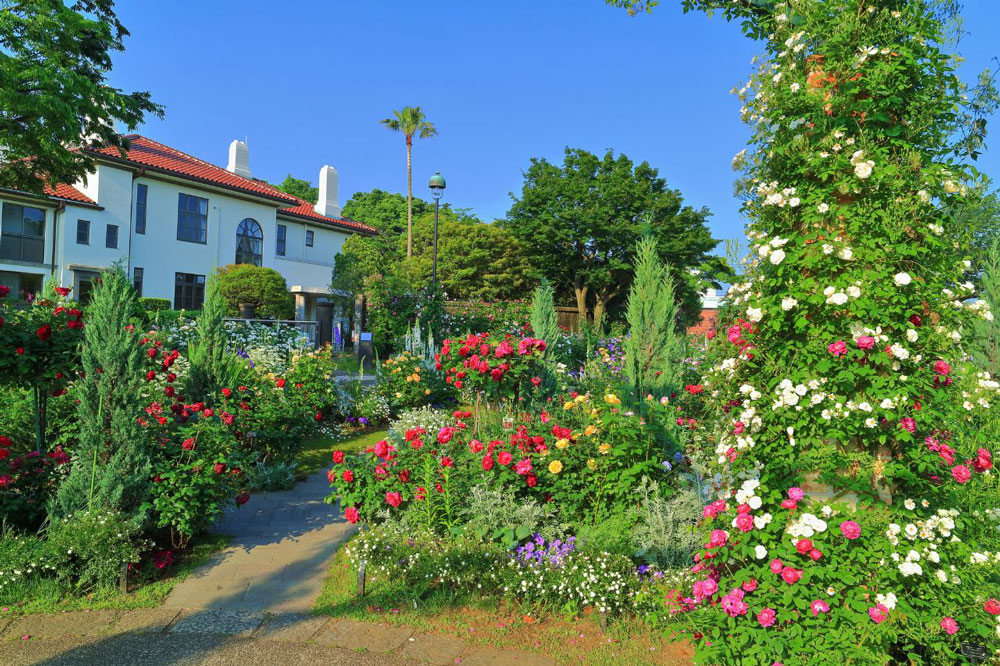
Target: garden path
[(281, 546)]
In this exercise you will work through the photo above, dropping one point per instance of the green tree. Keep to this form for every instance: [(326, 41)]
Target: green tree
[(213, 366), (410, 121), (386, 211), (544, 321), (579, 223), (114, 457), (54, 63), (476, 261), (653, 349), (263, 287), (298, 187)]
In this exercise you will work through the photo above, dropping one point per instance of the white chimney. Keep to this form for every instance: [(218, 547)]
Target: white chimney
[(239, 159), (327, 204)]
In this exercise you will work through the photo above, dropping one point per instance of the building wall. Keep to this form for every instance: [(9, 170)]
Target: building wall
[(307, 267), (33, 269)]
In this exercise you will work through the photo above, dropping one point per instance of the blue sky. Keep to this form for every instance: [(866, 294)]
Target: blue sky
[(306, 82)]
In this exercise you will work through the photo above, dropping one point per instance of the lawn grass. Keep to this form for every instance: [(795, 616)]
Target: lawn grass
[(48, 597), (485, 621), (316, 454)]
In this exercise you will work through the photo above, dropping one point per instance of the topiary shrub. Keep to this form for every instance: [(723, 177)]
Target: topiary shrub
[(147, 304), (264, 287)]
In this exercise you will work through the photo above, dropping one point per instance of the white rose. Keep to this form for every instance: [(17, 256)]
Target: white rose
[(755, 314), (863, 169), (822, 207), (902, 279), (777, 257), (911, 335), (760, 552), (788, 303)]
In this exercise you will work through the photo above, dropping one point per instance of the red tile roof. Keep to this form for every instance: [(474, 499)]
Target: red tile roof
[(305, 210), (706, 323), (156, 156), (69, 193)]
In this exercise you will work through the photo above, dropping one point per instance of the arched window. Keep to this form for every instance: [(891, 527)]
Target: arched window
[(249, 242)]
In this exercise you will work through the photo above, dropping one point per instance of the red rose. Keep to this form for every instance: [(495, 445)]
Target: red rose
[(393, 499), (487, 462), (171, 377), (150, 376), (446, 462), (537, 381), (318, 417), (4, 290), (208, 413), (44, 333), (351, 514), (188, 445), (151, 352), (5, 441), (531, 480), (63, 291), (227, 392), (219, 468), (504, 458), (20, 351), (281, 384), (338, 457), (694, 389), (347, 476), (4, 453), (242, 498), (992, 606), (804, 546), (227, 418)]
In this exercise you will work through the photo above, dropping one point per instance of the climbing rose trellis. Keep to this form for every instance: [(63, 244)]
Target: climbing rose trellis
[(844, 439)]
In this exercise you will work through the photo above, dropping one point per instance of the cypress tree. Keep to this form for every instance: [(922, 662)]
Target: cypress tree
[(543, 313), (114, 458), (653, 349), (212, 366)]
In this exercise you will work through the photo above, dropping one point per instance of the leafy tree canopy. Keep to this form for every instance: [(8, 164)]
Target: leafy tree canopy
[(54, 63), (299, 187), (579, 223)]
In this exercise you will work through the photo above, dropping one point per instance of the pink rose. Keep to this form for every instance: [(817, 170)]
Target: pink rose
[(796, 494), (878, 613), (908, 424), (776, 566), (788, 504), (791, 575), (750, 585), (815, 555), (393, 499), (942, 368), (523, 467), (961, 473), (744, 522), (819, 606), (717, 538), (766, 617), (351, 514), (704, 589), (850, 529), (838, 348), (949, 625), (866, 342)]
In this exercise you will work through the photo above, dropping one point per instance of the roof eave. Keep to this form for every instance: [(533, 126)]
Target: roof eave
[(35, 197), (331, 223)]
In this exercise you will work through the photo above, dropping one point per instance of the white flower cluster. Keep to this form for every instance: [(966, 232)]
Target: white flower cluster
[(806, 526), (862, 167), (771, 195)]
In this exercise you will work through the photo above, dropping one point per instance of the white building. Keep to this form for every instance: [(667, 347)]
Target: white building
[(170, 218)]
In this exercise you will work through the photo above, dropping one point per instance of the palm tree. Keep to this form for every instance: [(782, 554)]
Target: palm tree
[(410, 121)]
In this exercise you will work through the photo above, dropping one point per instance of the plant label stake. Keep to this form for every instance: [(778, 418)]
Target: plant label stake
[(123, 583), (977, 654), (361, 580)]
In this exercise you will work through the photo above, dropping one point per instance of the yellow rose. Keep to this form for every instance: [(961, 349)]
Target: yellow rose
[(582, 397), (562, 443), (604, 448), (416, 378), (399, 395), (591, 464), (612, 399), (593, 413), (555, 466), (590, 430), (568, 405), (427, 391)]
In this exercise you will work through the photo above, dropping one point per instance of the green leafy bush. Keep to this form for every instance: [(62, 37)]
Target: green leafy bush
[(264, 287), (148, 304)]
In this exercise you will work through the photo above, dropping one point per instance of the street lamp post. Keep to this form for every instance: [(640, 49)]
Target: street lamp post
[(437, 186)]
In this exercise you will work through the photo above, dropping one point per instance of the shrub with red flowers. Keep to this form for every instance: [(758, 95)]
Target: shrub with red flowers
[(500, 369), (40, 348), (583, 461), (27, 482)]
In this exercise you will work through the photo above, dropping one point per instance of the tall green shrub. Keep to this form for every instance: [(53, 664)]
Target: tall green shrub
[(264, 287), (543, 313), (653, 348), (112, 467), (984, 344), (212, 366)]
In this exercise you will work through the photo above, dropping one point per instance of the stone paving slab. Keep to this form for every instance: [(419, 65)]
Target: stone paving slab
[(440, 650), (363, 636), (230, 623), (57, 625), (495, 657), (291, 627), (145, 621)]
